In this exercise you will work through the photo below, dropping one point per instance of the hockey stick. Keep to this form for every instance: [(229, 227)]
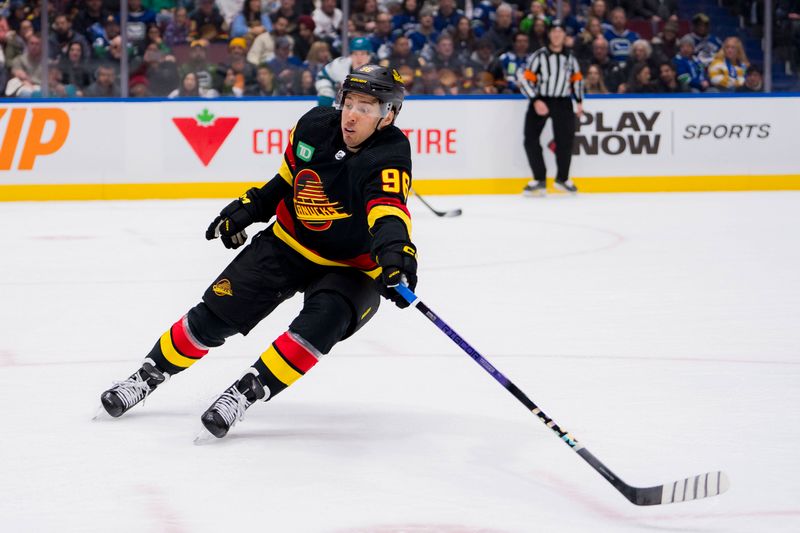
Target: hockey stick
[(451, 213), (690, 488)]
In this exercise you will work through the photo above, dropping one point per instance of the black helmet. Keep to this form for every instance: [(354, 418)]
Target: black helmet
[(384, 84)]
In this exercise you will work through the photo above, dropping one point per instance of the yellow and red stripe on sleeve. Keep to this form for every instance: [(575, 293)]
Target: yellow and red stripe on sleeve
[(388, 207), (179, 346), (288, 156)]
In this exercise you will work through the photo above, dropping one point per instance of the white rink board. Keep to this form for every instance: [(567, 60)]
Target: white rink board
[(139, 142)]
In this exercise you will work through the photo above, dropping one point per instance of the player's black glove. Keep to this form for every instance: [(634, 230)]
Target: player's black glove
[(232, 221), (399, 263)]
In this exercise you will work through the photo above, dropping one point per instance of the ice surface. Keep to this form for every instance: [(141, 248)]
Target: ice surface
[(661, 330)]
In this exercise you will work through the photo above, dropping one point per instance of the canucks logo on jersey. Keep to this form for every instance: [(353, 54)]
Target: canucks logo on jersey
[(313, 207)]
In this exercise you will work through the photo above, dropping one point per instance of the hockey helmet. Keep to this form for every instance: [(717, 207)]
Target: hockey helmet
[(384, 84)]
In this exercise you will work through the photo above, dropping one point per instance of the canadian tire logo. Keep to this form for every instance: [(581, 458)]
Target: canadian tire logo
[(205, 133)]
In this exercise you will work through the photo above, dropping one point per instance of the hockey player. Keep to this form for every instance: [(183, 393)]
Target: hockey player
[(330, 78), (342, 237)]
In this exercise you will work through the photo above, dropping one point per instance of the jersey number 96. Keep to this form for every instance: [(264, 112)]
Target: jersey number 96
[(395, 181)]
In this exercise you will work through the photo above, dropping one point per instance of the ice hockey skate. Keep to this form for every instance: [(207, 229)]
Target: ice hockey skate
[(535, 189), (125, 394), (231, 405), (566, 186)]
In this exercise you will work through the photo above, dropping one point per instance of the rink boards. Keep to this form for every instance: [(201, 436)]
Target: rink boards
[(153, 148)]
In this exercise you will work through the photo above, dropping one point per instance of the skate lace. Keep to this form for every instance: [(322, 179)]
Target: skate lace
[(132, 390), (232, 405)]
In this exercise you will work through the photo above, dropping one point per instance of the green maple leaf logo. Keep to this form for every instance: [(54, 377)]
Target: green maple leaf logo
[(205, 117)]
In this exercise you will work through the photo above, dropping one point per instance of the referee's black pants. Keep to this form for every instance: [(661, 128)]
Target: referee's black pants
[(564, 130)]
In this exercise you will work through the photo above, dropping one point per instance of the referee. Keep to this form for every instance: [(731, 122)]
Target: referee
[(551, 79)]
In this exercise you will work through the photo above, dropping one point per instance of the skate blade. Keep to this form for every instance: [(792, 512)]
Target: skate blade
[(205, 437), (101, 415)]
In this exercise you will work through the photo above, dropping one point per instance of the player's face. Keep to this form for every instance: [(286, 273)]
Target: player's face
[(361, 114), (359, 58)]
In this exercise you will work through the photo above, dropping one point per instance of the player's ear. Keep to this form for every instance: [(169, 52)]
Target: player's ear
[(387, 120)]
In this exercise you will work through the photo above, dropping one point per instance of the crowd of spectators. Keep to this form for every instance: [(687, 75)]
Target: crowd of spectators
[(210, 48)]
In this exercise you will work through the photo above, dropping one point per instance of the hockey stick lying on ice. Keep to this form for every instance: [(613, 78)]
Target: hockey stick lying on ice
[(451, 213), (690, 488)]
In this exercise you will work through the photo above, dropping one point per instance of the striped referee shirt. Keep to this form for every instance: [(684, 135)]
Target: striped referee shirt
[(549, 74)]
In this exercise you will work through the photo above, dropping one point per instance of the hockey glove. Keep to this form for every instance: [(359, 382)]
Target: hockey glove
[(231, 222), (399, 263)]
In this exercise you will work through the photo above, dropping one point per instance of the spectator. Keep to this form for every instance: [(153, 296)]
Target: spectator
[(160, 69), (206, 75), (483, 14), (753, 81), (304, 36), (92, 13), (464, 39), (138, 87), (538, 36), (594, 83), (251, 22), (424, 36), (381, 37), (207, 22), (584, 41), (154, 37), (406, 19), (483, 56), (727, 69), (691, 73), (619, 37), (62, 36), (139, 18), (447, 16), (506, 66), (657, 10), (284, 58), (705, 44), (401, 54), (318, 56), (665, 44), (409, 77), (448, 83), (328, 19), (75, 68), (428, 82), (26, 69), (501, 34), (330, 78), (237, 49), (640, 80), (570, 22), (668, 79), (307, 84), (265, 83), (105, 84), (191, 87), (537, 11), (56, 88), (263, 48), (599, 10), (445, 56), (15, 40), (787, 20), (613, 72), (18, 12), (236, 78), (289, 10), (178, 29), (641, 52), (365, 13)]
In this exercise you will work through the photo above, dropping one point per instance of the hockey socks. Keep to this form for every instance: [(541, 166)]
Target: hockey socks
[(178, 348), (285, 361)]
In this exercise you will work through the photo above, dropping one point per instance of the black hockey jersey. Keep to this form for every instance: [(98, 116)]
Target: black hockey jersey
[(338, 197)]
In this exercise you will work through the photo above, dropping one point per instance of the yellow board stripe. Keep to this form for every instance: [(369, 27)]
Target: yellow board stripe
[(388, 211), (279, 367), (172, 354), (231, 189), (311, 256)]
